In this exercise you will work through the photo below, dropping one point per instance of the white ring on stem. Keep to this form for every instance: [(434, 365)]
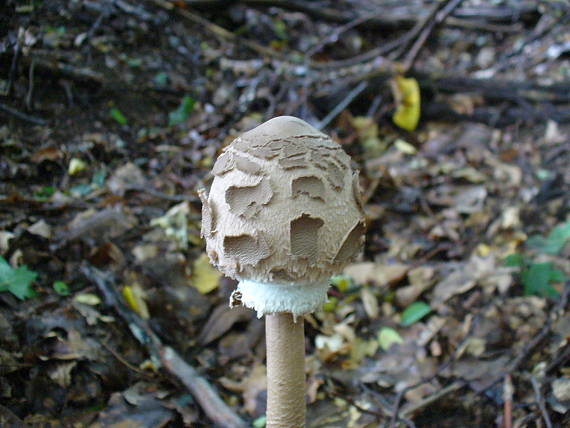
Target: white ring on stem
[(298, 299)]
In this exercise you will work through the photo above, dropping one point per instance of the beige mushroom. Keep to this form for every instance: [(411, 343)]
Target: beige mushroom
[(283, 215)]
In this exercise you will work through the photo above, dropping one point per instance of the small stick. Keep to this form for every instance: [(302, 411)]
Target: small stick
[(22, 116), (540, 402), (508, 399), (342, 105), (210, 402), (441, 12), (285, 370), (412, 408)]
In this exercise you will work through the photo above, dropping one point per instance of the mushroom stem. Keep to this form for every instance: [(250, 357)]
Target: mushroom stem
[(285, 338)]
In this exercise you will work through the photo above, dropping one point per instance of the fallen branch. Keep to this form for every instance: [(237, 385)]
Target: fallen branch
[(540, 401), (22, 116), (499, 116), (214, 29), (470, 18), (411, 408), (437, 17), (204, 394)]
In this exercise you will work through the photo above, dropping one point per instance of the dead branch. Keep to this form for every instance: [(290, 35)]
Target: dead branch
[(436, 17), (540, 401), (214, 29), (508, 391), (22, 116), (500, 116), (410, 409), (205, 395), (471, 18)]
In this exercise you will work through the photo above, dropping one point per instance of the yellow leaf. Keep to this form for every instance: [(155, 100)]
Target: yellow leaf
[(483, 250), (407, 95), (76, 166), (134, 295), (87, 299), (405, 147), (204, 277)]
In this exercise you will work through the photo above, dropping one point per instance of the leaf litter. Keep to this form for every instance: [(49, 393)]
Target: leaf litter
[(458, 305)]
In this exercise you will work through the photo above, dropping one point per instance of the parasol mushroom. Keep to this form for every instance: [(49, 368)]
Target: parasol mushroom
[(283, 215)]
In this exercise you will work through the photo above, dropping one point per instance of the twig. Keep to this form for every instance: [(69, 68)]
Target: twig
[(10, 419), (544, 331), (540, 401), (162, 195), (508, 402), (387, 21), (349, 400), (556, 312), (338, 32), (22, 116), (210, 402), (30, 92), (442, 11), (412, 408), (205, 395), (121, 359), (342, 105), (454, 386), (417, 29), (216, 30)]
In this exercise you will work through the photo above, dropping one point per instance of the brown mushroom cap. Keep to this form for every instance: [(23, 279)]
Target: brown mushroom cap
[(284, 207)]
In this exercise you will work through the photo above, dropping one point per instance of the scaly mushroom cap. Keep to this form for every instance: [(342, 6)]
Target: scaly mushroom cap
[(284, 209)]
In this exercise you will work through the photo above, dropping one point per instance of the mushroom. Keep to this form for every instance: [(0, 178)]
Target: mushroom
[(283, 215)]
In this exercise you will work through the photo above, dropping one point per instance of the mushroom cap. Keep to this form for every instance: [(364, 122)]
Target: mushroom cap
[(284, 209)]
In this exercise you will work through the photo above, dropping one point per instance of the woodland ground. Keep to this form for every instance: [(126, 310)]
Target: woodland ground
[(111, 115)]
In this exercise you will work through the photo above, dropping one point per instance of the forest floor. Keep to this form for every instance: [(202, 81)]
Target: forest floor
[(112, 113)]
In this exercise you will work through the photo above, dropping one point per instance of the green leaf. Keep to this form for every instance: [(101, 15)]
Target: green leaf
[(98, 179), (556, 275), (118, 116), (160, 78), (330, 305), (387, 337), (183, 111), (45, 192), (280, 29), (342, 282), (554, 242), (415, 312), (260, 422), (61, 288), (81, 189), (514, 260), (17, 281), (536, 279)]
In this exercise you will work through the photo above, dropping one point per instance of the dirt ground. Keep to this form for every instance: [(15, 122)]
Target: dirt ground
[(456, 113)]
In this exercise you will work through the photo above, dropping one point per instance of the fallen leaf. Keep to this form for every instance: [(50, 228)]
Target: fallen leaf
[(377, 273), (205, 277), (387, 337), (76, 166), (415, 312), (370, 303), (175, 224), (126, 177), (41, 228), (406, 93), (135, 297), (17, 281)]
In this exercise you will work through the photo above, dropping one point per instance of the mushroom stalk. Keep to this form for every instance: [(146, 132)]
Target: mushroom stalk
[(285, 370)]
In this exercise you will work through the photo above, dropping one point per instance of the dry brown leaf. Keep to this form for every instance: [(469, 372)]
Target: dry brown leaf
[(378, 274)]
